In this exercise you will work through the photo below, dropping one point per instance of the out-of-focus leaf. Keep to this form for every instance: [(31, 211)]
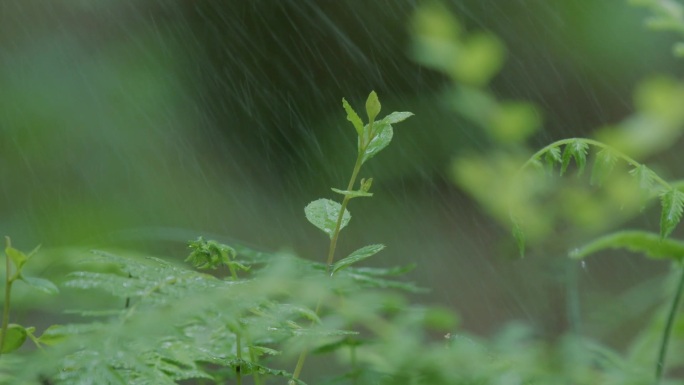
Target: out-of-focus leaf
[(603, 165), (14, 338), (358, 255), (576, 149), (649, 244), (41, 284), (672, 202)]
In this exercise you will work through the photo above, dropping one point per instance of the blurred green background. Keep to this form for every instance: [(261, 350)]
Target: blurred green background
[(143, 124)]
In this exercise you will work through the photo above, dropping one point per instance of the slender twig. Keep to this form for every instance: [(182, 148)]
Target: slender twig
[(660, 364)]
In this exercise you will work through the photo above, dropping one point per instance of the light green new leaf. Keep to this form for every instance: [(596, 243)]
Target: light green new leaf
[(576, 149), (53, 335), (649, 244), (672, 202), (41, 284), (15, 337), (382, 139), (358, 255), (323, 213), (17, 257), (353, 193), (353, 117), (372, 106), (603, 165)]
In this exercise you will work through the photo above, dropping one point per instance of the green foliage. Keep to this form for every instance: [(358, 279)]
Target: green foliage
[(163, 323), (13, 336)]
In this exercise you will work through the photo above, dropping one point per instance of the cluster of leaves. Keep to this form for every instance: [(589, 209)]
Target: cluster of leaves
[(13, 336)]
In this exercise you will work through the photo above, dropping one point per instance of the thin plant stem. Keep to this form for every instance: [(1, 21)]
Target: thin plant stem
[(8, 294), (662, 354), (331, 249)]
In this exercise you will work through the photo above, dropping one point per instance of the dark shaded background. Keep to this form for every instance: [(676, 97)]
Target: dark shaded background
[(142, 124)]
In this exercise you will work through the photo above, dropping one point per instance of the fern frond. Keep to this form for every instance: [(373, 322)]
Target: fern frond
[(672, 202), (603, 165), (576, 149)]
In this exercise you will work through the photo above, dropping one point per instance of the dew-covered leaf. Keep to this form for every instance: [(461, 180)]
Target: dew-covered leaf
[(356, 256), (649, 244), (603, 165), (672, 202), (382, 139), (576, 149), (14, 338), (41, 284), (323, 213), (353, 117), (353, 193)]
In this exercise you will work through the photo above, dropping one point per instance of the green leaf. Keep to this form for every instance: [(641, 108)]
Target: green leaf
[(17, 257), (41, 284), (396, 117), (644, 176), (603, 165), (576, 149), (672, 202), (519, 236), (551, 157), (323, 213), (262, 350), (53, 335), (358, 255), (14, 338), (353, 117), (372, 106), (649, 244), (382, 138), (353, 193)]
